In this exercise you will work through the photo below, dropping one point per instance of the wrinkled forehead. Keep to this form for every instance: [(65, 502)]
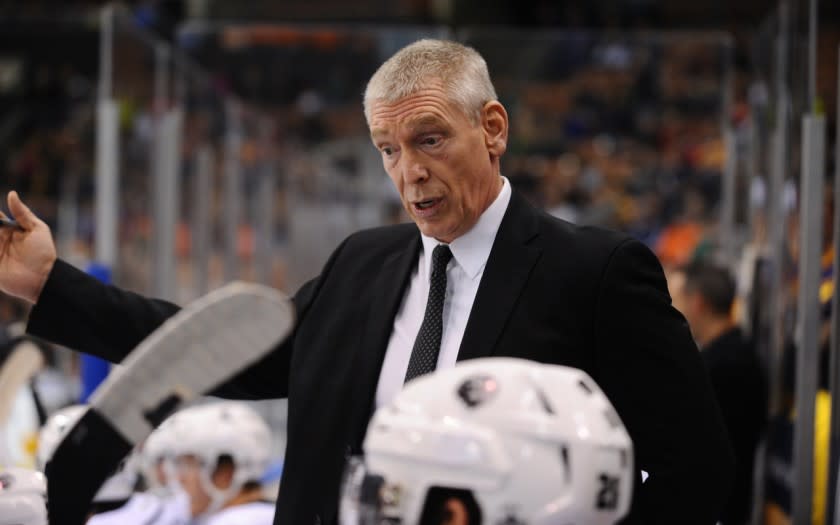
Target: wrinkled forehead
[(412, 124), (426, 109)]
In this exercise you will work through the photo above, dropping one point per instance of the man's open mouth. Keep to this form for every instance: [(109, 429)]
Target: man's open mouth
[(426, 203)]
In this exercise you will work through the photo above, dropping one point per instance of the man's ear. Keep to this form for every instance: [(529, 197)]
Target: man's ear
[(494, 123), (456, 512)]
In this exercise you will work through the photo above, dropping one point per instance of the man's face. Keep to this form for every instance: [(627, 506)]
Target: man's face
[(445, 167)]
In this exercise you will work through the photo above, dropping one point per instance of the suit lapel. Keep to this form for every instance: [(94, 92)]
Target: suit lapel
[(388, 286), (508, 267)]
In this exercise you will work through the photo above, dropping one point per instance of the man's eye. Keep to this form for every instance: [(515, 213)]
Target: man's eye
[(386, 150), (430, 141)]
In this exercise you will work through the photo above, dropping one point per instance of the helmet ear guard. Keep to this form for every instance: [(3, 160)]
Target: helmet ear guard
[(528, 443)]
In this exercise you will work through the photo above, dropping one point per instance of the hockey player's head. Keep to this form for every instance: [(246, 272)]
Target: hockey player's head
[(221, 454), (493, 441), (23, 496)]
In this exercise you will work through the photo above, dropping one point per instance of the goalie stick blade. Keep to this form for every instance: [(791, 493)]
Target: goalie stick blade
[(197, 349), (88, 455)]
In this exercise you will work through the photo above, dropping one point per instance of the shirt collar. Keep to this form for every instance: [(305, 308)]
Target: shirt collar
[(472, 249)]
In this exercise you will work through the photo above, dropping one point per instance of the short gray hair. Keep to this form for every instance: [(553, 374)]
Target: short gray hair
[(461, 70)]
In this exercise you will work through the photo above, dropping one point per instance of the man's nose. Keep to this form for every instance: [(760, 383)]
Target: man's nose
[(414, 170)]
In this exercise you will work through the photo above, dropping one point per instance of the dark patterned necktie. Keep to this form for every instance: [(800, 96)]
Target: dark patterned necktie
[(424, 355)]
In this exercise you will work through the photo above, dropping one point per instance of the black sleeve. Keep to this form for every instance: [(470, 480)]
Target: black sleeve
[(80, 312), (650, 368), (268, 378)]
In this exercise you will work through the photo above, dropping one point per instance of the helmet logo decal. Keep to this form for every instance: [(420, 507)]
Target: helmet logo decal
[(477, 390), (544, 401)]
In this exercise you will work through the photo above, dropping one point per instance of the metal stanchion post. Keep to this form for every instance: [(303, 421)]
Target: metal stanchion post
[(202, 219), (776, 217), (166, 165), (232, 188), (832, 497), (265, 206), (107, 148), (727, 219), (808, 313)]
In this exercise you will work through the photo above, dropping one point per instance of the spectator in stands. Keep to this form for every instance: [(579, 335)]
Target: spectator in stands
[(705, 293)]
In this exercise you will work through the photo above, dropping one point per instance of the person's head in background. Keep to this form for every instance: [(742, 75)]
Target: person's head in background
[(704, 293), (221, 452), (492, 441), (435, 118)]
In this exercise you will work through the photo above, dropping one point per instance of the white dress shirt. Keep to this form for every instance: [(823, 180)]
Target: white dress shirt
[(463, 275)]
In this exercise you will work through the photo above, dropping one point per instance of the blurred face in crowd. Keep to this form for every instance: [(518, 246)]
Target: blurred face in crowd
[(444, 165), (676, 284), (686, 303)]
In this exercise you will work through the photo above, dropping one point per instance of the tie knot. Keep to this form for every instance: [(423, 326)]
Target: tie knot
[(441, 256)]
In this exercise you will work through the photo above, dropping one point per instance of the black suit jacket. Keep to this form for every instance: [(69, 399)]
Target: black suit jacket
[(741, 389), (551, 292)]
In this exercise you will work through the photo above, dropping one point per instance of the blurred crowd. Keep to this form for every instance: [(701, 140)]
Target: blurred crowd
[(620, 132)]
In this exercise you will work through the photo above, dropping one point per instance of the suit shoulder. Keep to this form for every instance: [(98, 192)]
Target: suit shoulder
[(590, 243)]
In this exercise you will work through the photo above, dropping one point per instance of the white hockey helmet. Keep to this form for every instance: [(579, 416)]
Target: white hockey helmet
[(23, 495), (157, 454), (227, 428), (56, 427), (531, 443)]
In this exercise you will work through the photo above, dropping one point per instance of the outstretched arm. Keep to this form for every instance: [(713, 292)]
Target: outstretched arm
[(80, 312), (71, 308)]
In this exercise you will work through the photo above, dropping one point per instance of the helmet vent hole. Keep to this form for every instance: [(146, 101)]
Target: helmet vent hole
[(544, 401), (564, 455)]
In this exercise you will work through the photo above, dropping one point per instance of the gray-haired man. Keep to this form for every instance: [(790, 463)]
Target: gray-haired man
[(479, 273)]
